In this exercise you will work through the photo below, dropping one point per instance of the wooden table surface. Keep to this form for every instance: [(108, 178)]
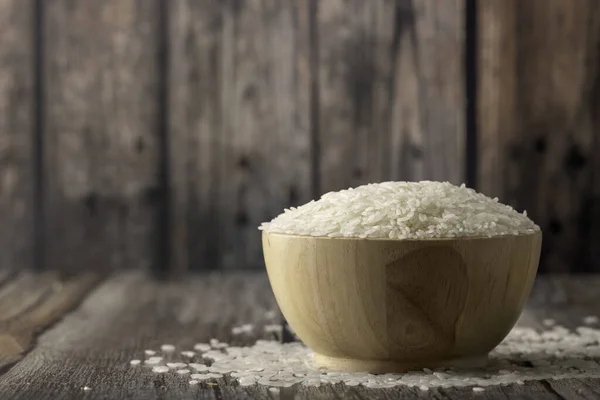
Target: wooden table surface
[(59, 334)]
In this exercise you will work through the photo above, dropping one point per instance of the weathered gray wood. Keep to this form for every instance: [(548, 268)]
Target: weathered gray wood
[(584, 389), (538, 120), (529, 391), (556, 291), (124, 316), (100, 150), (130, 312), (239, 128), (30, 302), (16, 133), (390, 87), (568, 301), (496, 96)]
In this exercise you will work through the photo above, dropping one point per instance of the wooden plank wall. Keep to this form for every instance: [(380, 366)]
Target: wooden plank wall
[(161, 133), (539, 120), (273, 103), (100, 152), (16, 134), (240, 127)]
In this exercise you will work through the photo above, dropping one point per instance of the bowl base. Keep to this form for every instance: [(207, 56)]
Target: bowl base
[(390, 366)]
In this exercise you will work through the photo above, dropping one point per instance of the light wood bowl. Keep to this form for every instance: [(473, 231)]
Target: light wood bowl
[(396, 305)]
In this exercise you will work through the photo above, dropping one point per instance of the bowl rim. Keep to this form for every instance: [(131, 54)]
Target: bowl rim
[(437, 239)]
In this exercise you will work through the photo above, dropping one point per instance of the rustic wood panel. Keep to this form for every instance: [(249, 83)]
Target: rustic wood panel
[(30, 302), (239, 134), (16, 133), (391, 91), (538, 120), (496, 96), (129, 313), (100, 152)]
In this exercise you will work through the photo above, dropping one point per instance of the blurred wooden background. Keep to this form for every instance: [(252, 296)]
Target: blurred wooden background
[(161, 133)]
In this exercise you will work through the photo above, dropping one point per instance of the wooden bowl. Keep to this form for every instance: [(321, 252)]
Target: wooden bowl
[(396, 305)]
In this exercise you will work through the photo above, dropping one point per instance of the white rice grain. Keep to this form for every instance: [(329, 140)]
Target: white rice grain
[(167, 348), (202, 347)]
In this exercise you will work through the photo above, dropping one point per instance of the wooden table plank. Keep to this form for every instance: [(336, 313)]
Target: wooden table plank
[(30, 302), (130, 312), (126, 315), (571, 299)]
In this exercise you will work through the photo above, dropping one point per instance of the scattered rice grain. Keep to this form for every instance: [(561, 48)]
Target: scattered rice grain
[(202, 347), (167, 347), (271, 314), (273, 328), (198, 367), (176, 365), (526, 354)]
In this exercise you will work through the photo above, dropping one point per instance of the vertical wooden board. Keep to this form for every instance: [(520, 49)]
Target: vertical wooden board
[(496, 96), (537, 112), (239, 125), (438, 46), (391, 91), (100, 151), (16, 133), (353, 41)]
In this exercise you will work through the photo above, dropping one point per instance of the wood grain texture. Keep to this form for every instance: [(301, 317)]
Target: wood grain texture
[(538, 120), (388, 306), (496, 107), (16, 133), (100, 152), (239, 125), (129, 313), (568, 300), (390, 91), (30, 302)]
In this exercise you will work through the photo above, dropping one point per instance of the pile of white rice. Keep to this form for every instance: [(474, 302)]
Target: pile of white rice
[(403, 210)]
